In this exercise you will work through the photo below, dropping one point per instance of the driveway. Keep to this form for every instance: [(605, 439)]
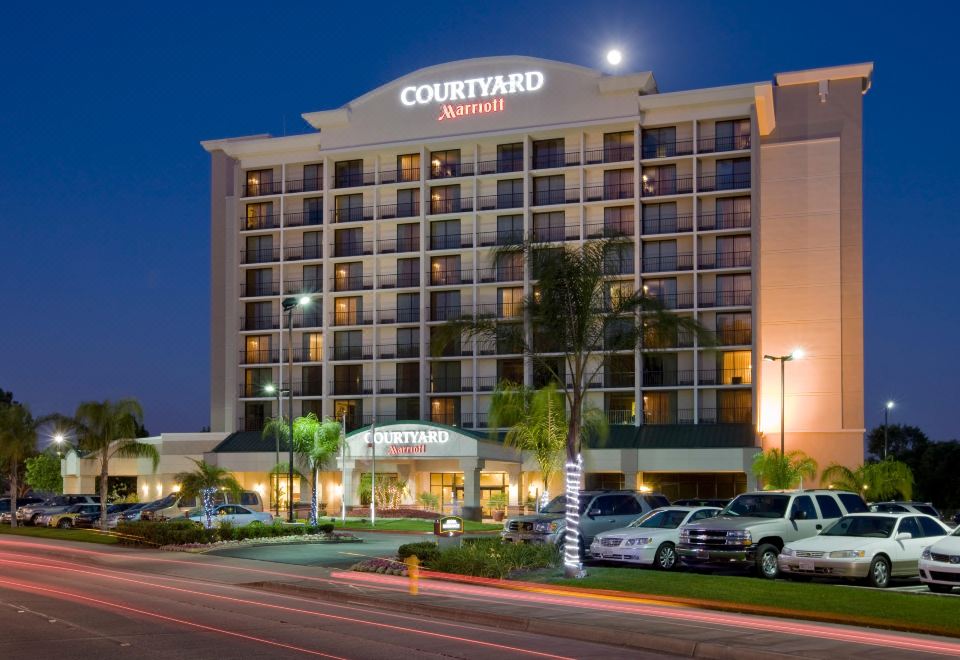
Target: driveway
[(328, 555)]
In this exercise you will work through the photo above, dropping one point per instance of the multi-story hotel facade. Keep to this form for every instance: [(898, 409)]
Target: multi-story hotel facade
[(739, 206)]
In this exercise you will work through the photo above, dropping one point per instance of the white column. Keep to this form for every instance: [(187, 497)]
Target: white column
[(471, 468)]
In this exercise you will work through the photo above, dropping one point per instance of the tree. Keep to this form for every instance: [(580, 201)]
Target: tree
[(107, 430), (315, 442), (203, 482), (903, 442), (576, 313), (782, 472), (937, 474), (18, 440), (43, 473), (882, 480)]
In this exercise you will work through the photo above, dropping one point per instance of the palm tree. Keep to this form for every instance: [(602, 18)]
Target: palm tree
[(575, 312), (782, 472), (315, 442), (203, 482), (879, 481), (278, 429), (18, 440), (106, 430)]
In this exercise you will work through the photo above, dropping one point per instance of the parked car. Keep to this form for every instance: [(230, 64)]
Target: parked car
[(92, 518), (600, 510), (940, 564), (651, 539), (58, 504), (65, 519), (234, 514), (751, 530), (21, 501), (175, 506), (131, 514), (926, 508), (702, 502), (870, 546), (956, 518)]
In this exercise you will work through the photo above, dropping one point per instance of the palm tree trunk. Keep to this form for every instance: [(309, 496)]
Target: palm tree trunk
[(572, 567), (13, 493), (104, 471), (313, 498)]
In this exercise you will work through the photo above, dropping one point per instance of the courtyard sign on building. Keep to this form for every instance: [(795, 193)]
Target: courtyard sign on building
[(490, 92)]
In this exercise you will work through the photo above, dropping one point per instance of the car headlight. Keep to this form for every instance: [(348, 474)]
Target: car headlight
[(546, 527), (926, 553), (788, 552), (847, 554), (643, 540), (739, 537)]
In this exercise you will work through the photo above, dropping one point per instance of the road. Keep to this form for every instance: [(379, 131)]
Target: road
[(339, 555)]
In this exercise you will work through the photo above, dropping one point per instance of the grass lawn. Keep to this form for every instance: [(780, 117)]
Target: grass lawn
[(412, 525), (939, 615), (86, 535)]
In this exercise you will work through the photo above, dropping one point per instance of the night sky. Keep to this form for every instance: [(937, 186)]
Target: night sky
[(105, 188)]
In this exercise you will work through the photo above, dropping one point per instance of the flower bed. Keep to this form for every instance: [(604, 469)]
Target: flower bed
[(382, 566), (264, 540), (182, 532)]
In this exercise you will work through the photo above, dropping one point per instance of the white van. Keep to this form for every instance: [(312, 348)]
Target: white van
[(175, 506)]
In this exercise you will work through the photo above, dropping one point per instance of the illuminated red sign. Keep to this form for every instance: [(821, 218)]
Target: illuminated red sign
[(402, 450), (459, 110)]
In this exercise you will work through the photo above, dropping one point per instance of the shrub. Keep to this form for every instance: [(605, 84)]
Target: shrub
[(225, 530), (493, 558), (426, 551), (155, 533), (429, 500)]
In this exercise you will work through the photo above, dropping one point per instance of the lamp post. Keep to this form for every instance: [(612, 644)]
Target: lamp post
[(270, 388), (343, 470), (886, 424), (290, 304), (373, 476), (796, 354)]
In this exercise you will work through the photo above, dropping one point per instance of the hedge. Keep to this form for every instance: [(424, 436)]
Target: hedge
[(181, 532), (426, 551)]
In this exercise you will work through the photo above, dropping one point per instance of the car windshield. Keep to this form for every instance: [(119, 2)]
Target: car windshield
[(757, 506), (927, 509), (876, 527), (660, 520), (558, 505)]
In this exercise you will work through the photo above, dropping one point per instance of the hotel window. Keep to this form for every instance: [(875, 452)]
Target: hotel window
[(408, 342), (312, 378), (348, 311), (617, 295), (548, 227), (408, 202), (660, 370), (445, 235), (618, 184), (408, 378), (510, 371), (619, 371), (733, 251), (259, 282), (313, 346), (408, 307), (510, 303), (445, 376), (259, 316), (254, 416), (313, 211), (663, 290), (617, 146), (260, 216), (348, 379), (549, 190), (549, 370), (312, 280), (348, 173), (446, 347), (312, 177), (619, 334), (312, 406), (660, 180), (604, 481), (541, 258), (659, 256), (259, 250), (730, 212), (255, 380), (660, 142), (444, 163), (548, 153), (445, 270), (408, 237), (312, 245), (732, 135), (259, 182), (348, 242), (509, 193), (510, 157), (348, 208), (509, 229), (733, 173), (408, 167), (408, 408), (735, 367), (509, 338), (621, 408), (445, 410), (618, 259), (348, 345), (617, 221), (408, 272), (659, 407), (734, 406), (351, 409), (660, 218), (734, 329), (509, 267), (444, 305), (348, 276), (733, 290), (257, 350), (445, 199)]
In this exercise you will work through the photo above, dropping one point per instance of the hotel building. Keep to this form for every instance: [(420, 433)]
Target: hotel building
[(739, 206)]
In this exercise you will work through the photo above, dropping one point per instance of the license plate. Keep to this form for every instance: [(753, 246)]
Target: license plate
[(806, 566), (702, 554)]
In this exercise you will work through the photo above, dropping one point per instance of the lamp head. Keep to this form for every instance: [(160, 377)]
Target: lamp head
[(269, 388), (797, 354), (889, 405), (58, 438), (304, 300)]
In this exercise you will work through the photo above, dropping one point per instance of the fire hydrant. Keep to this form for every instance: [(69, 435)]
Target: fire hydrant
[(413, 572)]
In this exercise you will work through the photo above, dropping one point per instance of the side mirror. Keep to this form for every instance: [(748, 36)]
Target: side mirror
[(904, 536), (593, 512)]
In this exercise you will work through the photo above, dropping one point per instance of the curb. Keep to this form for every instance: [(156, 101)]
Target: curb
[(608, 636)]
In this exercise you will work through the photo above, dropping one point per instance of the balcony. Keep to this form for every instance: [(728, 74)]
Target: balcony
[(621, 417), (352, 318), (725, 298), (352, 283), (618, 267), (450, 170), (608, 192), (479, 423), (677, 186), (609, 229), (447, 418), (551, 160), (609, 155), (255, 391), (500, 201), (669, 225), (667, 149), (734, 337), (312, 318), (303, 354), (726, 415), (351, 387), (344, 353), (451, 241), (313, 184), (500, 238), (455, 205), (449, 312), (259, 289), (725, 377), (259, 356), (710, 144), (264, 322), (679, 300), (398, 386), (717, 182), (501, 311), (259, 222), (487, 383), (399, 210), (653, 341), (353, 179), (619, 379), (402, 175), (308, 388), (309, 285), (352, 248), (555, 234), (450, 277), (500, 274), (303, 218), (730, 220), (399, 351), (353, 214), (667, 377), (252, 423), (302, 252), (450, 385), (398, 245), (260, 255), (712, 260), (550, 197), (398, 280), (500, 166), (402, 315), (667, 263), (260, 189)]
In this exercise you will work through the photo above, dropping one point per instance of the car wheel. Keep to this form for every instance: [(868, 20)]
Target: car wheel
[(879, 573), (939, 588), (64, 524), (34, 518), (666, 557), (767, 561)]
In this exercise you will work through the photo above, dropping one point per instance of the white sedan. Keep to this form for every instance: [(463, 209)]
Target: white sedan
[(236, 515), (871, 546), (650, 539), (940, 564)]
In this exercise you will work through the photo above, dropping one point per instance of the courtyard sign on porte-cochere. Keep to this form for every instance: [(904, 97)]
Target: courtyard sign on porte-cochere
[(463, 90)]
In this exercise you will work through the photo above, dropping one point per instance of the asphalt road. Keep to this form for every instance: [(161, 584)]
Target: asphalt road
[(330, 555)]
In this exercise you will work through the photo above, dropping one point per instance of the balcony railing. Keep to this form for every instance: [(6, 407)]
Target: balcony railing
[(618, 267), (260, 255), (353, 179), (621, 417), (712, 144), (309, 285), (666, 263), (445, 384), (259, 356), (479, 423), (548, 197), (543, 161), (352, 282), (667, 377), (724, 259), (399, 351), (500, 201), (265, 221), (555, 234), (734, 337), (678, 186), (401, 315), (341, 353), (259, 289), (312, 318), (351, 387), (352, 318), (260, 189), (451, 241), (447, 418), (500, 166), (500, 274), (619, 379), (303, 218), (396, 245), (450, 170), (665, 340), (500, 238), (610, 229), (352, 248), (308, 388), (263, 322), (714, 182), (398, 386), (725, 377), (609, 154), (451, 277), (679, 300), (729, 220), (487, 383), (726, 415), (303, 354), (667, 149), (399, 210), (251, 423), (398, 280), (455, 205), (302, 252), (305, 185), (448, 312), (608, 192), (725, 298), (501, 310), (669, 225), (353, 214), (402, 175)]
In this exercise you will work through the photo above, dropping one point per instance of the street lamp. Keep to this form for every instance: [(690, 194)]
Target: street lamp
[(796, 354), (270, 388), (59, 439), (886, 423), (290, 304)]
